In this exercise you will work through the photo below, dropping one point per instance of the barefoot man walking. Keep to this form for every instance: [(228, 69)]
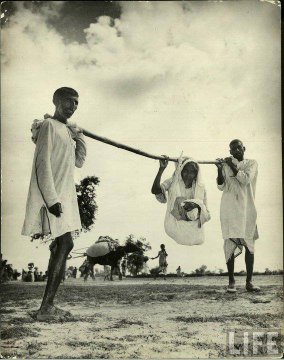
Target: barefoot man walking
[(52, 206), (237, 180)]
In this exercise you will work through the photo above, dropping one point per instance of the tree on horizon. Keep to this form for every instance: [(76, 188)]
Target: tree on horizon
[(136, 261)]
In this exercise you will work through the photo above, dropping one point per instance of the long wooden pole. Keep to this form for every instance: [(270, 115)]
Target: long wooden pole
[(135, 151)]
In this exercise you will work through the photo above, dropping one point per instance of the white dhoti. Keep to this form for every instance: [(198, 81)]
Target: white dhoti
[(234, 247)]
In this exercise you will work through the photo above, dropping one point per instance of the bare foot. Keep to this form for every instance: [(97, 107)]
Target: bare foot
[(252, 288), (52, 313), (231, 288), (65, 313)]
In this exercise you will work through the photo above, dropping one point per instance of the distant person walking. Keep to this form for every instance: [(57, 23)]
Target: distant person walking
[(237, 180), (106, 272), (74, 272), (123, 267), (178, 270), (31, 271), (162, 255)]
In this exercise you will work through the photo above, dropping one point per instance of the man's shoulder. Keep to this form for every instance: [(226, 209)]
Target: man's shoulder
[(39, 123), (48, 121), (49, 124), (44, 125)]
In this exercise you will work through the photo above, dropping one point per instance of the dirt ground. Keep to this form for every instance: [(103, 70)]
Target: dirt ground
[(137, 318)]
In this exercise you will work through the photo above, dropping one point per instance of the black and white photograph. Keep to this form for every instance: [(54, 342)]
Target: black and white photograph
[(141, 180)]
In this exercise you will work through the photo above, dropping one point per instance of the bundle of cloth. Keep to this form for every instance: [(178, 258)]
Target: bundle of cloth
[(36, 125), (102, 246), (184, 226), (180, 213)]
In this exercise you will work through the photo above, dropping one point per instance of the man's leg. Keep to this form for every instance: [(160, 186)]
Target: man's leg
[(230, 267), (229, 251), (56, 268), (249, 259)]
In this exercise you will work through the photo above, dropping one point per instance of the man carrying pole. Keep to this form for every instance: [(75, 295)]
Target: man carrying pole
[(52, 207), (237, 180)]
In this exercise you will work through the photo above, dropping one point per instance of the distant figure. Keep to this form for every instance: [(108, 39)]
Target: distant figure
[(123, 267), (40, 276), (29, 277), (74, 272), (69, 272), (162, 255), (178, 270), (16, 274), (237, 180), (36, 273), (9, 270), (31, 271), (90, 273), (81, 268), (24, 273), (106, 272)]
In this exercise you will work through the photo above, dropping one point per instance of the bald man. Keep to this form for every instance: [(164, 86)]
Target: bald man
[(52, 207)]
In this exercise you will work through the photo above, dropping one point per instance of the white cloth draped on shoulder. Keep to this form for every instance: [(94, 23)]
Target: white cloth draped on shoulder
[(182, 230), (59, 148)]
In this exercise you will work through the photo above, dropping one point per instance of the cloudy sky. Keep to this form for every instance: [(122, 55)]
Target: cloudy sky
[(164, 77)]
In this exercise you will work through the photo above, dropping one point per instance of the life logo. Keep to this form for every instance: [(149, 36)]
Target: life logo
[(254, 342)]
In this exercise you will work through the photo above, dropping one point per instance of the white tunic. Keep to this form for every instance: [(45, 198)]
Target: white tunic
[(52, 180), (238, 212)]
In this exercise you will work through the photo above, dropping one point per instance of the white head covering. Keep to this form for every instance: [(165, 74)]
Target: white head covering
[(177, 180), (185, 232)]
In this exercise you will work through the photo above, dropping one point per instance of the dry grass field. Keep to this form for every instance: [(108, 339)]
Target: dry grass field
[(137, 318)]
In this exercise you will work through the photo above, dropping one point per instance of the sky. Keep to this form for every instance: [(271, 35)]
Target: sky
[(164, 77)]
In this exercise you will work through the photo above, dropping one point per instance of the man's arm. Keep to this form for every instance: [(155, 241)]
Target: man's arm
[(43, 171), (245, 176), (233, 167), (220, 176), (81, 149)]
